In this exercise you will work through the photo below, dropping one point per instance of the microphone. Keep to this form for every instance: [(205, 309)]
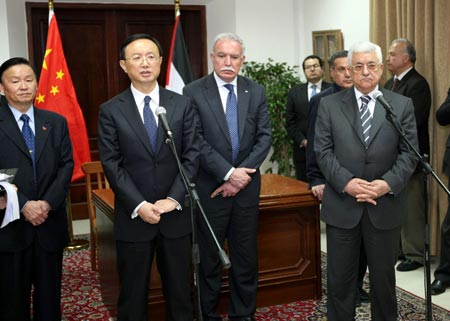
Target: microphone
[(378, 95), (161, 113)]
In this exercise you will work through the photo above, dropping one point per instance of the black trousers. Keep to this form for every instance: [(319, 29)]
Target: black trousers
[(134, 262), (442, 272), (19, 271)]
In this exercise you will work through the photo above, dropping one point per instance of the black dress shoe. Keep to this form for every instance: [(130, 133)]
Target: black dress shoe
[(250, 318), (363, 296), (408, 265), (438, 287)]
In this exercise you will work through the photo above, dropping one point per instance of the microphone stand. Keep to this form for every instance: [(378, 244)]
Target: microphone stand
[(195, 202), (427, 169)]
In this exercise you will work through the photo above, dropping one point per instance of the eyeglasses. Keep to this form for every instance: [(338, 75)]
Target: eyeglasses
[(137, 60), (315, 66), (342, 70), (370, 67)]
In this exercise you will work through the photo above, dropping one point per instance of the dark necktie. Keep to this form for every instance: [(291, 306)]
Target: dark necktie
[(232, 121), (395, 84), (366, 117), (28, 135), (150, 123)]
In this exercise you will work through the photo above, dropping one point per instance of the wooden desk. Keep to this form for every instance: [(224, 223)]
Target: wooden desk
[(288, 240)]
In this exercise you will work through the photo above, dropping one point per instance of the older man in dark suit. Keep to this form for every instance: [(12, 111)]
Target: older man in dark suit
[(297, 110), (150, 212), (37, 143), (408, 82), (366, 166), (235, 137)]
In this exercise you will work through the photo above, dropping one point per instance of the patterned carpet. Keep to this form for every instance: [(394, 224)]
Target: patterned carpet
[(81, 299)]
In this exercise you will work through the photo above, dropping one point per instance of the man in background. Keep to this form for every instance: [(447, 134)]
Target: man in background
[(37, 143), (297, 109), (366, 166), (235, 137), (340, 73), (150, 212), (408, 82)]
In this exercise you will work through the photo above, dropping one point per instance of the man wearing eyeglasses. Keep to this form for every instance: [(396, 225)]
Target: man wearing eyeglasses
[(408, 82), (150, 213), (297, 109), (366, 167)]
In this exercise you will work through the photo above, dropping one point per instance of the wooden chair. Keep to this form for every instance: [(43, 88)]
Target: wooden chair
[(95, 179)]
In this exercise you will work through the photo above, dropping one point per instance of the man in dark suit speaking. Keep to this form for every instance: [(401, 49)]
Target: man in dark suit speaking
[(235, 137), (37, 143), (150, 211), (366, 166)]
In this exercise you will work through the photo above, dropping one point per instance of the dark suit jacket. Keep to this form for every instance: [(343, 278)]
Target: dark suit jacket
[(54, 166), (297, 109), (443, 118), (136, 174), (254, 135), (415, 86), (313, 173), (342, 155)]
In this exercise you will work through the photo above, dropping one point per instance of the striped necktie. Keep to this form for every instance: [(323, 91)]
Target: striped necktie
[(366, 117)]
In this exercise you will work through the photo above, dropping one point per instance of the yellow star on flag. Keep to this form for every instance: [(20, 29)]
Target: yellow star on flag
[(44, 64), (59, 74), (40, 98), (54, 90)]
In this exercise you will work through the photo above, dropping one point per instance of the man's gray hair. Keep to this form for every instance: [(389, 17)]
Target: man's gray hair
[(229, 36), (365, 47), (409, 48)]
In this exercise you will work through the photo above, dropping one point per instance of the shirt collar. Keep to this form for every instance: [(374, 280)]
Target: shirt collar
[(17, 113), (139, 96), (359, 94), (221, 83), (400, 77)]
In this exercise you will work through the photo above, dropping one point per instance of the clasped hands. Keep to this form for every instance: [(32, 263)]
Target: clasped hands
[(151, 213), (36, 212), (238, 180), (365, 191)]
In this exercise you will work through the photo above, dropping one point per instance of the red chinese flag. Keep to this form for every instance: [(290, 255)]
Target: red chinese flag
[(56, 93)]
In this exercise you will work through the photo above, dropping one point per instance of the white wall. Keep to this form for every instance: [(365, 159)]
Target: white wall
[(279, 29), (351, 16)]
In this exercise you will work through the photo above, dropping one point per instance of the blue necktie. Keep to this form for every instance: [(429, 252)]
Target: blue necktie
[(313, 91), (150, 123), (366, 117), (232, 121), (28, 135)]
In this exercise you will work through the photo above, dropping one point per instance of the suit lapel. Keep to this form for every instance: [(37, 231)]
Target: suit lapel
[(212, 97), (350, 109), (243, 104), (42, 130), (130, 112), (9, 125), (165, 100)]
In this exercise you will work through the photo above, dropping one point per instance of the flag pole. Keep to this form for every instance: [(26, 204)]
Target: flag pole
[(50, 5), (177, 7)]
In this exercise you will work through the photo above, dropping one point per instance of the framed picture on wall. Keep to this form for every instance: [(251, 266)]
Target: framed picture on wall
[(325, 44)]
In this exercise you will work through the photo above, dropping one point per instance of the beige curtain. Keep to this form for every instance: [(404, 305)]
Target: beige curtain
[(426, 23)]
